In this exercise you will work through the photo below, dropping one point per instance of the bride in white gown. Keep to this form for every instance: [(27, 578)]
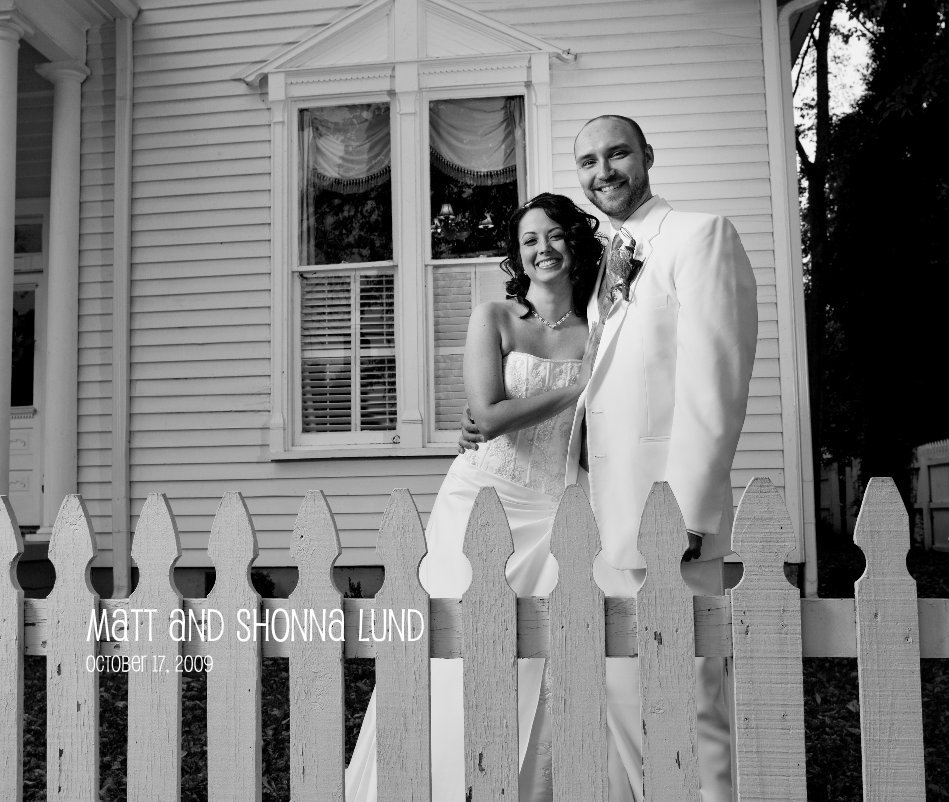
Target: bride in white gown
[(526, 363)]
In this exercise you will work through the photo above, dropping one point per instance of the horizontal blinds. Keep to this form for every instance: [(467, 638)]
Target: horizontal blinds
[(347, 351), (455, 292)]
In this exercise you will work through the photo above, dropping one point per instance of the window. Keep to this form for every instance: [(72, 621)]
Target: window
[(476, 179), (398, 154), (346, 279)]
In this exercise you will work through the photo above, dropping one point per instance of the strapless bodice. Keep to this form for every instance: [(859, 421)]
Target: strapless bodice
[(534, 457)]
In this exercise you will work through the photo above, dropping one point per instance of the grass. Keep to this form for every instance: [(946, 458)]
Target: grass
[(832, 712)]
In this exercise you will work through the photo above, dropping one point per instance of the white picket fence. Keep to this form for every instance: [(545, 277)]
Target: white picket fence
[(762, 622)]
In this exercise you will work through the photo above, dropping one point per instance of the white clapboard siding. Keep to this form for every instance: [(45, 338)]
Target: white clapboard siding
[(97, 180), (200, 412)]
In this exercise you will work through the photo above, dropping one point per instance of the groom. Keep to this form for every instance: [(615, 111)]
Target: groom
[(666, 402)]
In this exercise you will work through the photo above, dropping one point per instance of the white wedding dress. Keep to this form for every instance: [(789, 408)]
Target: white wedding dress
[(527, 468)]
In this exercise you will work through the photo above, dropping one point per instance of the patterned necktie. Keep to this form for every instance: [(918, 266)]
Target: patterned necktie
[(621, 269)]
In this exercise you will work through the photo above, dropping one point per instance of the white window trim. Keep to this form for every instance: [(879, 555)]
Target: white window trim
[(408, 86)]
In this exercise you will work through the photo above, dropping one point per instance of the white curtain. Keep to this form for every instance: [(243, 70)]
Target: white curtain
[(478, 140), (346, 148)]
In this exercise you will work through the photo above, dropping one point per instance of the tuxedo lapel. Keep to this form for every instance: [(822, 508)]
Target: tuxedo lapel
[(647, 231)]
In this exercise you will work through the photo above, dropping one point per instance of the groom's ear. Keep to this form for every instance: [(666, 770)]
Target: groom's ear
[(648, 157)]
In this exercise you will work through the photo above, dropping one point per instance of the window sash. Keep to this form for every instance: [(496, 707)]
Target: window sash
[(455, 289), (346, 371)]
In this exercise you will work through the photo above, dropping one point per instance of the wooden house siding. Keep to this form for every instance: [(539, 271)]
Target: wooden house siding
[(200, 289), (96, 163)]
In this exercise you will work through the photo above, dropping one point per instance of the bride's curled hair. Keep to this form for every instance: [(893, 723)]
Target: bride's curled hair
[(580, 233)]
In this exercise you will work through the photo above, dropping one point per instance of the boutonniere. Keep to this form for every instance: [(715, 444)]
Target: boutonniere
[(629, 266)]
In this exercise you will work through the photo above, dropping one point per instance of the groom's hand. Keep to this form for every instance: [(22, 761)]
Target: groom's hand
[(694, 551), (470, 433)]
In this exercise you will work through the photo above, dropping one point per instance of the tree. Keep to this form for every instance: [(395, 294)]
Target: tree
[(878, 255)]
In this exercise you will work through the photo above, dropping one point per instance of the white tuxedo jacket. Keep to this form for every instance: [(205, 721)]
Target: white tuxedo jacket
[(667, 397)]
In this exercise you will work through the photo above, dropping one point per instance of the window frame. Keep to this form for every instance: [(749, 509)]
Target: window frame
[(300, 438), (408, 87)]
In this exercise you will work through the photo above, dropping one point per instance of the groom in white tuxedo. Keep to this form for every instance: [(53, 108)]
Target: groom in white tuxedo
[(666, 401)]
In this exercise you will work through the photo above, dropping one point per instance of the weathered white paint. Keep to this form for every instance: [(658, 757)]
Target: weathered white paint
[(72, 691), (317, 758), (891, 719), (666, 637), (577, 664), (766, 638), (403, 755), (154, 696), (233, 704), (830, 628), (489, 616)]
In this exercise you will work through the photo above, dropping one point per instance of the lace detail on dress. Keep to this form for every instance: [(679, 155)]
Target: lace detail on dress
[(534, 457)]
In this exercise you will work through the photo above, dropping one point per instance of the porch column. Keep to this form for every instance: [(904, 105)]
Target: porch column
[(62, 291), (12, 29)]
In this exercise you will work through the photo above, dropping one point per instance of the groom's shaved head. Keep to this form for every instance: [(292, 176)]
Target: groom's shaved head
[(632, 124)]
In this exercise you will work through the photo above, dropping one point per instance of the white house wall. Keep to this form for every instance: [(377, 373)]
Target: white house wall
[(689, 70)]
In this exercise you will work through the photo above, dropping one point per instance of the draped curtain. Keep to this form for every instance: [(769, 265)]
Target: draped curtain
[(346, 149), (478, 140)]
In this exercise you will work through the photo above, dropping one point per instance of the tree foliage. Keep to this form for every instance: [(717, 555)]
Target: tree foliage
[(879, 255)]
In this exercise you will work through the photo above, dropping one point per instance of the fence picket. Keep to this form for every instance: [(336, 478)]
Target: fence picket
[(234, 748), (72, 690), (891, 722), (577, 663), (766, 636), (489, 616), (317, 715), (402, 666), (666, 654), (11, 657), (154, 700)]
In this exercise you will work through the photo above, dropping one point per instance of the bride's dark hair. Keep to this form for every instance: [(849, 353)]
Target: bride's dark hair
[(580, 234)]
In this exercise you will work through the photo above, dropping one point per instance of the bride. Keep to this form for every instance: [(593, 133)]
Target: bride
[(527, 360)]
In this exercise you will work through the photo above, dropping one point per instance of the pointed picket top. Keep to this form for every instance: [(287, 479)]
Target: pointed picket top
[(882, 530), (401, 544), (315, 544), (11, 541), (575, 537), (488, 545), (763, 534), (666, 640), (156, 546), (72, 545), (577, 663), (662, 536), (232, 545), (489, 616), (11, 656), (317, 757), (891, 725)]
